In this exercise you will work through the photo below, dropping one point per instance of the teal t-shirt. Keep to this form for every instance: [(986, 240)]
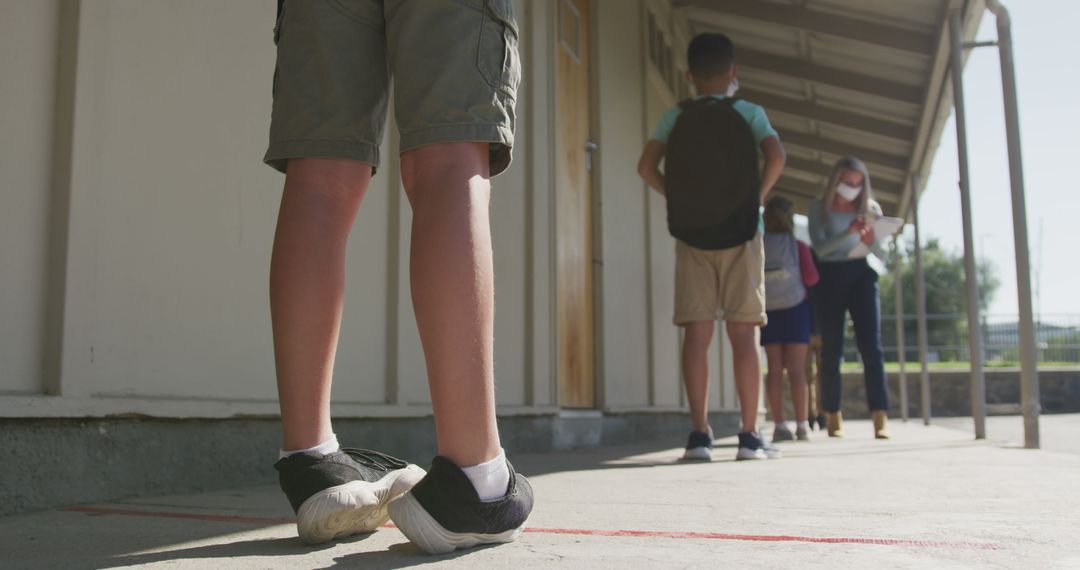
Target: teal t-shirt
[(752, 112)]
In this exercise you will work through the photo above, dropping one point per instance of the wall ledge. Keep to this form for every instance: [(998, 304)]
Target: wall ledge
[(14, 406)]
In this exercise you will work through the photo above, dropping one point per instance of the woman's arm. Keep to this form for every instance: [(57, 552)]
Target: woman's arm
[(822, 243)]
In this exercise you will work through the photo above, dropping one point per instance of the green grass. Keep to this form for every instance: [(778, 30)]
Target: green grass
[(954, 365)]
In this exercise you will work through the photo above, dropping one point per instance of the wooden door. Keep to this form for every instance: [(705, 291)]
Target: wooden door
[(574, 207)]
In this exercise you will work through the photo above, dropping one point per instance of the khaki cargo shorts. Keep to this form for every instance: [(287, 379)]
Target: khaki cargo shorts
[(454, 64), (727, 284)]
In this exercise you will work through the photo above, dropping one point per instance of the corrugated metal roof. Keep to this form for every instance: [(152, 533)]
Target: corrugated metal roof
[(867, 78)]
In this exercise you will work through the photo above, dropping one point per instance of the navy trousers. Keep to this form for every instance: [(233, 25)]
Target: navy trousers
[(850, 287)]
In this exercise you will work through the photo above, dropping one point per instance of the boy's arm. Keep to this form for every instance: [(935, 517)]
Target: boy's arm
[(775, 157), (649, 164)]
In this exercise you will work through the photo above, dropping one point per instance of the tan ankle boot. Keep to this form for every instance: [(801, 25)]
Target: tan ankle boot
[(881, 425), (834, 424)]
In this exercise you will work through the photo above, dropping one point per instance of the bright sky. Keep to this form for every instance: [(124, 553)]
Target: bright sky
[(1048, 84)]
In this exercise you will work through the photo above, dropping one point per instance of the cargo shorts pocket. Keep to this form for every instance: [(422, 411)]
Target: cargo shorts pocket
[(277, 23), (497, 53), (277, 38)]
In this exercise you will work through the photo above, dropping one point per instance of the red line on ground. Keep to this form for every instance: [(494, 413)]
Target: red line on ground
[(770, 538), (586, 532)]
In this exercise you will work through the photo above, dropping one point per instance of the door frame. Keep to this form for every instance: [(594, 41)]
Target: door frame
[(552, 17)]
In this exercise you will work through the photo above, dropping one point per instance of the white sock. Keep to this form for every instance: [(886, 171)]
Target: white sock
[(325, 448), (490, 478), (781, 425), (804, 425)]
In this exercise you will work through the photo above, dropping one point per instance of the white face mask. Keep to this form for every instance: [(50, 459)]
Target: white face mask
[(848, 192), (732, 87)]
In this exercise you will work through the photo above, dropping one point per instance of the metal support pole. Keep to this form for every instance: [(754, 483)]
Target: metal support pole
[(971, 277), (1029, 373), (901, 357), (920, 306)]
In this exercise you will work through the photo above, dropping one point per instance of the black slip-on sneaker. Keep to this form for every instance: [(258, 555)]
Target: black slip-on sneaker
[(343, 493), (698, 447), (443, 512), (753, 446)]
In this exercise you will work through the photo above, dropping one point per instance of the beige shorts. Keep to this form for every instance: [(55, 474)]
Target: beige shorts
[(454, 64), (726, 284)]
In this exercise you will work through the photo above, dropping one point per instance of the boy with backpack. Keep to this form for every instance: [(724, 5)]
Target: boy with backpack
[(714, 193)]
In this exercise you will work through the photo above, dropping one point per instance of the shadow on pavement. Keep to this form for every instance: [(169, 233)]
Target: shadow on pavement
[(662, 454), (230, 550), (400, 555)]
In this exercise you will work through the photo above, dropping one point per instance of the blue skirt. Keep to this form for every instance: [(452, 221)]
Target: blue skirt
[(788, 326)]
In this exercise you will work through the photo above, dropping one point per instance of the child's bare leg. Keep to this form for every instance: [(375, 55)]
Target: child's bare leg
[(744, 352), (774, 380), (696, 340), (307, 284), (794, 359), (453, 293)]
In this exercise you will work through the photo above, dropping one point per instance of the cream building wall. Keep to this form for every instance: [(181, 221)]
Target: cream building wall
[(137, 222), (28, 53)]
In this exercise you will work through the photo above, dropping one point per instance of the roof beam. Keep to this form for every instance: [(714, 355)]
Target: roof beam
[(712, 12), (817, 73), (811, 110), (937, 105), (821, 169), (807, 165), (814, 142), (883, 195), (800, 187), (811, 190), (814, 190)]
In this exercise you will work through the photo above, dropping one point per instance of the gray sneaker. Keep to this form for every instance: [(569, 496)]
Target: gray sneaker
[(782, 433), (802, 434)]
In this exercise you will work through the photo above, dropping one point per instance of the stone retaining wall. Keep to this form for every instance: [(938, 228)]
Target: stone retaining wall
[(950, 394)]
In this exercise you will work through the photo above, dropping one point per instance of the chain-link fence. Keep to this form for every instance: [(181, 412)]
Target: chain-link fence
[(1057, 339)]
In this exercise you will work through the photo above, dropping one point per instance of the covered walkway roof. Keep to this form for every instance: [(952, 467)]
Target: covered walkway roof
[(867, 78)]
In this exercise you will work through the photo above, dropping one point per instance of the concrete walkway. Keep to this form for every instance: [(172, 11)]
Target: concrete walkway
[(931, 497), (1058, 432)]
